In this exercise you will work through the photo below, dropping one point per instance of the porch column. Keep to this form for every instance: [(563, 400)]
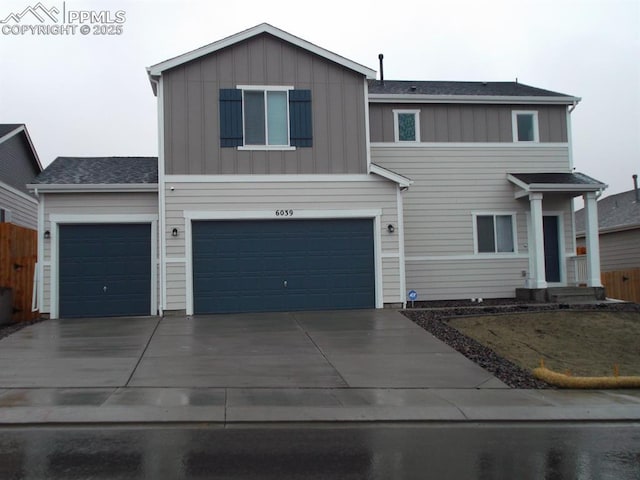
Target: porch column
[(539, 274), (592, 239)]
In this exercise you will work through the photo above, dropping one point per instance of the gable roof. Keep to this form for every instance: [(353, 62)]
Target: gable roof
[(155, 71), (447, 91), (65, 173), (616, 212), (575, 183), (8, 130)]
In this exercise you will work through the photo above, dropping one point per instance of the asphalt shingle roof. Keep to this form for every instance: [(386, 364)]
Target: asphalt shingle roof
[(99, 170), (575, 178), (616, 211), (8, 127), (508, 89)]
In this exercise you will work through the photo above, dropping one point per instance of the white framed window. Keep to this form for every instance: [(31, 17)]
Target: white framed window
[(494, 233), (406, 125), (265, 117), (525, 126)]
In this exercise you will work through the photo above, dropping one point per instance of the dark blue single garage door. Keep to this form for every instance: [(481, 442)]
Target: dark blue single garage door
[(283, 265), (105, 270)]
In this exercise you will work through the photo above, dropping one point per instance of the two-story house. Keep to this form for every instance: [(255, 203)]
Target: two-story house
[(290, 178)]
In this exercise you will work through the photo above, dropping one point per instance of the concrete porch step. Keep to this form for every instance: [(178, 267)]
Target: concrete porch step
[(575, 294)]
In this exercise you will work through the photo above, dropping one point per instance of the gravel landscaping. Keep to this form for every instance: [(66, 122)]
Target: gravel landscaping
[(434, 316)]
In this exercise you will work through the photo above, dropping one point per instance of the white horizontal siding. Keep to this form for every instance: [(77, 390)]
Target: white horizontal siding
[(463, 279), (450, 184), (24, 209), (300, 197)]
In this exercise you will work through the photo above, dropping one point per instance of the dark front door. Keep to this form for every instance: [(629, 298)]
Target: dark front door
[(282, 265), (105, 270), (551, 248)]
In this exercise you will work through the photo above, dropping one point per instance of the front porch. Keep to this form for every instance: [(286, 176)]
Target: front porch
[(572, 295), (544, 277)]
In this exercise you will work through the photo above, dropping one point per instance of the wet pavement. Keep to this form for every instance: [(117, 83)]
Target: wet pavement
[(366, 365), (402, 451)]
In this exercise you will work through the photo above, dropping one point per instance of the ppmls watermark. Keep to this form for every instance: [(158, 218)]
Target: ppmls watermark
[(40, 20)]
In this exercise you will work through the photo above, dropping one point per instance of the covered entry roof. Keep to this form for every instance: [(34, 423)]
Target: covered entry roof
[(575, 183)]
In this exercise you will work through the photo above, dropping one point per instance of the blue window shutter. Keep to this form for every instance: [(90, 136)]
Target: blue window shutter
[(300, 127), (230, 117)]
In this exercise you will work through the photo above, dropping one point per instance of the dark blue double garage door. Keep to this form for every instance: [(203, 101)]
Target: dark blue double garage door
[(283, 265)]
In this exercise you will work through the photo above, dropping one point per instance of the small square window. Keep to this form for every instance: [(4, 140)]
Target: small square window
[(266, 118), (494, 234), (525, 126), (406, 125)]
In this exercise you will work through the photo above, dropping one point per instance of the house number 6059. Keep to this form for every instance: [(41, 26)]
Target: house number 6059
[(284, 213)]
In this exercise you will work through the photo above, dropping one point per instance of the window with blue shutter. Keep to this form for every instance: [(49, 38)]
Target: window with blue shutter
[(231, 118), (273, 119), (300, 127)]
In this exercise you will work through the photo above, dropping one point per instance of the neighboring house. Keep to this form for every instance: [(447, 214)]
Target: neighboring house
[(619, 227), (289, 178), (19, 164)]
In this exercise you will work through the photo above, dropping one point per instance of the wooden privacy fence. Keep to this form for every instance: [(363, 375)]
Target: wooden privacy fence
[(18, 256), (622, 284)]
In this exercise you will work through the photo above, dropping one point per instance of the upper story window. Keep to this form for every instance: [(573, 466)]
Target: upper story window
[(406, 125), (525, 126), (265, 118), (5, 215), (494, 233)]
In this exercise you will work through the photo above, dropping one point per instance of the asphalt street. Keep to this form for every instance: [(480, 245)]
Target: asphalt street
[(329, 451)]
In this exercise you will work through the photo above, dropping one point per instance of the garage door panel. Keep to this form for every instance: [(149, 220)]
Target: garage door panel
[(115, 256), (243, 265)]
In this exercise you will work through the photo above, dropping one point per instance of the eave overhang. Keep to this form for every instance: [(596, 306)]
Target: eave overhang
[(155, 71), (401, 180), (471, 99), (92, 188)]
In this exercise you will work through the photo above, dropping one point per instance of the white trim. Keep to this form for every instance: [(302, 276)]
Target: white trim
[(396, 126), (15, 191), (480, 256), (279, 88), (494, 214), (270, 214), (162, 222), (514, 125), (401, 180), (485, 99), (367, 133), (280, 148), (157, 69), (56, 220), (11, 133), (41, 260), (401, 248), (94, 187), (266, 178), (190, 216), (474, 145)]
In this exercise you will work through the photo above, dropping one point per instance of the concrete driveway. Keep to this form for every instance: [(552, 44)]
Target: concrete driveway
[(345, 349)]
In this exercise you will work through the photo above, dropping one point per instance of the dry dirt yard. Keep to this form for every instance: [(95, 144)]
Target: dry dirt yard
[(586, 343)]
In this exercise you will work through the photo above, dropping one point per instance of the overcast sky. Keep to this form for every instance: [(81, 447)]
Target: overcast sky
[(88, 95)]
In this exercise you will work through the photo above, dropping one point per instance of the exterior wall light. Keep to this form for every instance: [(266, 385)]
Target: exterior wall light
[(47, 235), (174, 232), (391, 228)]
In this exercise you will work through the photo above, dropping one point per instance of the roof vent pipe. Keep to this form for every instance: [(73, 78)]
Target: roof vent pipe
[(635, 187), (381, 57)]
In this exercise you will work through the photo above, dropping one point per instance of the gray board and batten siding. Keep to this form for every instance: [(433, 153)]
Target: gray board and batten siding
[(468, 123), (192, 121)]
